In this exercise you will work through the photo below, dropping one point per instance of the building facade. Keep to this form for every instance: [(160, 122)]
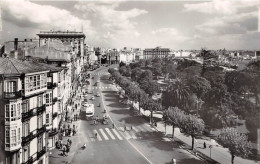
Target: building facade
[(23, 134), (157, 52)]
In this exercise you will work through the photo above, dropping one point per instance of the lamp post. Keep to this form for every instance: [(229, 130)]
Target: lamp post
[(210, 146)]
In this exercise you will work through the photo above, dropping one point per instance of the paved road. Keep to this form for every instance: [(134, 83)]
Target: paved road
[(110, 146), (150, 143)]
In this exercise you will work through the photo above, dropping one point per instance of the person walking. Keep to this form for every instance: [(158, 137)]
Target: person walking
[(204, 145)]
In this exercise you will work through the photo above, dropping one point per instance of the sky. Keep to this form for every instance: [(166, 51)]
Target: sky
[(186, 25)]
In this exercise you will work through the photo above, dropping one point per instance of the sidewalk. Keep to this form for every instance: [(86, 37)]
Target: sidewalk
[(217, 152), (56, 155)]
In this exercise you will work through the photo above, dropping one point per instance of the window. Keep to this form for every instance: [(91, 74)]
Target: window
[(13, 137), (40, 143), (7, 112), (47, 118), (13, 112), (59, 77), (39, 101), (26, 153), (35, 82), (48, 99), (25, 106), (40, 121), (38, 81), (10, 86), (7, 136), (26, 128)]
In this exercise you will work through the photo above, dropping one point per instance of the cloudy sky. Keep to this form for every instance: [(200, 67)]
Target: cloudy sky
[(213, 24)]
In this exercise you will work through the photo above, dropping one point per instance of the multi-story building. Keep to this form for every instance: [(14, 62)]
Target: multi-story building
[(23, 90), (126, 55), (157, 52)]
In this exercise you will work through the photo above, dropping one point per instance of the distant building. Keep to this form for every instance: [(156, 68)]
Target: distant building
[(126, 55), (156, 53), (75, 39)]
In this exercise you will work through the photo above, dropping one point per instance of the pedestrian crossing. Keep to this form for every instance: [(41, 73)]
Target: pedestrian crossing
[(102, 87), (109, 134), (100, 73)]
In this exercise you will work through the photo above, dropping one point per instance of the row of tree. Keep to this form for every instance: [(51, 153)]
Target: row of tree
[(135, 93), (187, 123)]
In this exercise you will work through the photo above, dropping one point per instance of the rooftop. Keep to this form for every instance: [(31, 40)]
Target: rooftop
[(61, 34), (12, 66)]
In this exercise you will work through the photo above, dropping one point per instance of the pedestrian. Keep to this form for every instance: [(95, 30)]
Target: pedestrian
[(96, 135), (125, 128), (70, 142), (155, 124), (204, 144), (64, 150), (113, 125)]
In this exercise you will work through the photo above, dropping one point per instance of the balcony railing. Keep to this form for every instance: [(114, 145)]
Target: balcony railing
[(28, 115), (27, 139), (41, 109), (29, 161), (41, 153), (41, 130), (54, 115), (53, 132), (51, 85), (12, 95)]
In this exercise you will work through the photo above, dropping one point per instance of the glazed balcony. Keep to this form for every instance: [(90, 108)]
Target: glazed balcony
[(28, 115), (41, 130), (41, 153), (27, 139), (12, 95), (41, 109)]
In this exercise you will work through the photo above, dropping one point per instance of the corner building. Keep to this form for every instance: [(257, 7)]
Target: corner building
[(23, 133)]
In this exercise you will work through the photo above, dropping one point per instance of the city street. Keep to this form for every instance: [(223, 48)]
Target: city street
[(149, 143)]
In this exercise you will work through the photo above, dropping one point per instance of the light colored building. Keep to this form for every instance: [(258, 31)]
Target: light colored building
[(23, 103), (157, 52), (126, 55)]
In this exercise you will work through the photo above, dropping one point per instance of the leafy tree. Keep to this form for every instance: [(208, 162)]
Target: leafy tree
[(174, 117), (192, 126), (143, 98), (157, 69), (199, 85), (149, 86), (151, 106), (133, 92), (136, 74), (148, 62), (236, 142), (145, 76), (122, 64)]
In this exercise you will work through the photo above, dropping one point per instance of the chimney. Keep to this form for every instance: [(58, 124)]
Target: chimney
[(15, 44)]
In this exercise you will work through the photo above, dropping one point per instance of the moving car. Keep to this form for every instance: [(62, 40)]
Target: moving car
[(92, 98), (98, 94), (90, 110)]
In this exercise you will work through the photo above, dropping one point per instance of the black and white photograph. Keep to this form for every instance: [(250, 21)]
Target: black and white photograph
[(129, 81)]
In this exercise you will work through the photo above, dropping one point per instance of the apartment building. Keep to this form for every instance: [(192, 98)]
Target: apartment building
[(157, 52), (23, 135)]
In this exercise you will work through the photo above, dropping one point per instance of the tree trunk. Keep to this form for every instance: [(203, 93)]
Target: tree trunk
[(173, 131), (151, 117), (232, 158), (192, 147)]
